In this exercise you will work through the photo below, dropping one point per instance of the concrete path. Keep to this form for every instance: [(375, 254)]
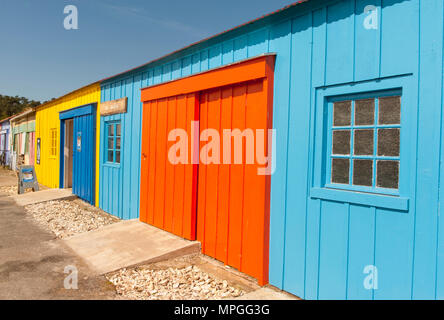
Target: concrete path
[(266, 293), (43, 196), (7, 178), (32, 262), (127, 244)]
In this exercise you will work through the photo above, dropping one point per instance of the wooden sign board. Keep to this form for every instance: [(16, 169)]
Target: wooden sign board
[(27, 179), (112, 107)]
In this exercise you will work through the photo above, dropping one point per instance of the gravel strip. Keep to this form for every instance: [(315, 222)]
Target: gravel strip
[(10, 190), (67, 218), (189, 283)]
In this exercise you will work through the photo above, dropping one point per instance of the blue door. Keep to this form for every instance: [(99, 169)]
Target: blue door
[(83, 155)]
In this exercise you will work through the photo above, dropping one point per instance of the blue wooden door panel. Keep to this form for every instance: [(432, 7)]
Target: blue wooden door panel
[(83, 157), (361, 250), (84, 135), (394, 254), (333, 250)]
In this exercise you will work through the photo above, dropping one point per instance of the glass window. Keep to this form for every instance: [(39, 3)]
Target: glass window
[(365, 142), (113, 142)]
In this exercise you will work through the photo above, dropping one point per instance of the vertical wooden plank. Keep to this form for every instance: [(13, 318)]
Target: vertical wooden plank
[(240, 48), (333, 251), (227, 52), (367, 42), (204, 61), (176, 70), (314, 206), (394, 255), (152, 162), (186, 66), (169, 170), (224, 181), (125, 189), (201, 207), (361, 251), (429, 142), (136, 128), (215, 56), (212, 176), (254, 187), (144, 170), (340, 39), (312, 250), (159, 208), (298, 144), (195, 63), (398, 48), (258, 42), (179, 171), (237, 176), (192, 173), (280, 41)]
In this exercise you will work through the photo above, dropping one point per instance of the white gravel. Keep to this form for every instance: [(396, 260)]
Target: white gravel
[(189, 283), (67, 218)]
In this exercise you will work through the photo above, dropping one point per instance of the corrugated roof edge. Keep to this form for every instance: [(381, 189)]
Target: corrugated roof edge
[(6, 119), (23, 113), (65, 95), (207, 39), (18, 115)]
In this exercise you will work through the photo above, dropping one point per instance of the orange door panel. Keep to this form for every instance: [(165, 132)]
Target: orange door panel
[(168, 190), (232, 214)]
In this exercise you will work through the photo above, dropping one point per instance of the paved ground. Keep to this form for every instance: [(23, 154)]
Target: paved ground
[(43, 196), (32, 263), (128, 243), (7, 178)]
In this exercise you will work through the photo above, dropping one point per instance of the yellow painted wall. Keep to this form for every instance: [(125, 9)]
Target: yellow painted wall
[(47, 118)]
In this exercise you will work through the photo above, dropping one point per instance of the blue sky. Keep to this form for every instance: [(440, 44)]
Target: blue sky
[(40, 60)]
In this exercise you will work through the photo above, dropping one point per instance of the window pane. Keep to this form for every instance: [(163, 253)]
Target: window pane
[(110, 143), (364, 112), (111, 130), (390, 110), (387, 174), (363, 144), (363, 172), (110, 156), (342, 113), (388, 142), (341, 142), (117, 143), (118, 133), (117, 156), (340, 171)]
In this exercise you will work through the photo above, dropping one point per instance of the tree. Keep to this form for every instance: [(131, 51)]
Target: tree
[(13, 105)]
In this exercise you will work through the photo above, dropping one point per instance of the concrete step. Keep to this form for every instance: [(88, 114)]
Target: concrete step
[(43, 196), (128, 244)]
